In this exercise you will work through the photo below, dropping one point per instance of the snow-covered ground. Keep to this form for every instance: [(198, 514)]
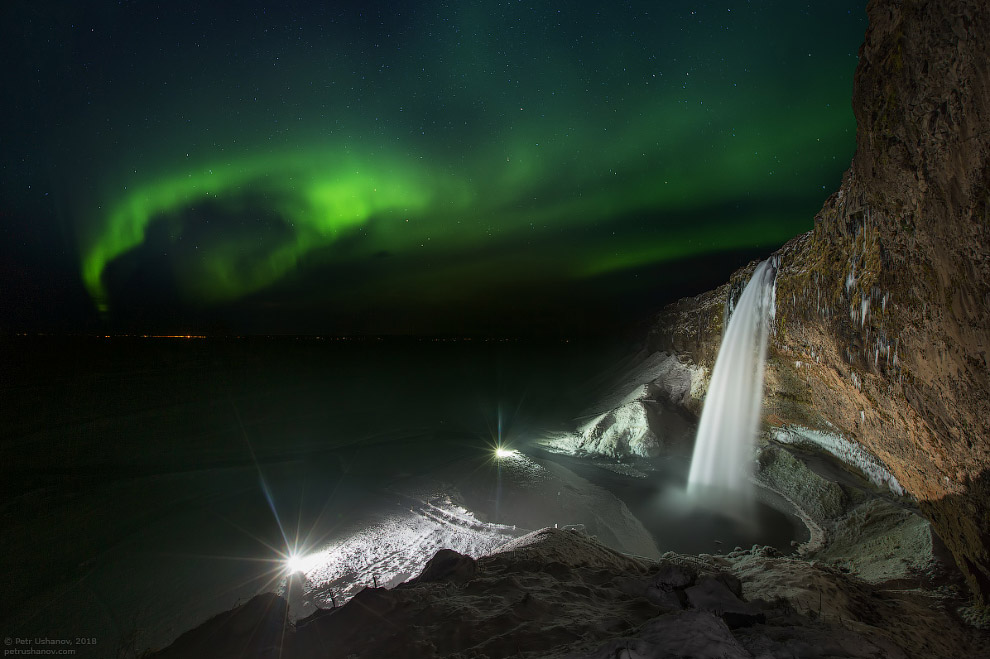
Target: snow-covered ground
[(472, 506), (392, 548), (639, 415)]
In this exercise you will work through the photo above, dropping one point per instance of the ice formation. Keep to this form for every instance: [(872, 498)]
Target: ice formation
[(849, 452)]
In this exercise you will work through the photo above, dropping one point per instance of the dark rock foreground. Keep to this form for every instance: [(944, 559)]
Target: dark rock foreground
[(557, 593)]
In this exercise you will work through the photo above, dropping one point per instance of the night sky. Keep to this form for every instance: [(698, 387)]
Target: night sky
[(400, 167)]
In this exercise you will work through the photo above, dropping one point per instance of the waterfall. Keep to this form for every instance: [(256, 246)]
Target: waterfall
[(723, 451)]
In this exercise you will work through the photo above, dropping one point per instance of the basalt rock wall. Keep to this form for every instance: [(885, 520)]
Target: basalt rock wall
[(882, 326)]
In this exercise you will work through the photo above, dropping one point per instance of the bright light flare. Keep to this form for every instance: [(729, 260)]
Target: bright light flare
[(296, 563), (502, 453)]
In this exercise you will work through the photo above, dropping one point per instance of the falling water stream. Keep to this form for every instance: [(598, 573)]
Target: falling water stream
[(722, 462)]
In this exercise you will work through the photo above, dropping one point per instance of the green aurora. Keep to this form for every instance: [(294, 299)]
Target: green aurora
[(445, 150)]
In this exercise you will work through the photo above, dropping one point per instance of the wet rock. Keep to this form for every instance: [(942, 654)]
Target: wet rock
[(692, 634), (665, 597), (711, 594), (731, 581), (674, 576), (765, 550)]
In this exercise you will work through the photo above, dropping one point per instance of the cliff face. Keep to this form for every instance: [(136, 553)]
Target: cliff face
[(883, 310)]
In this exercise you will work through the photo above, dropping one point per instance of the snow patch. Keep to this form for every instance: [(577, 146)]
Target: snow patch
[(849, 452), (623, 431), (392, 549), (622, 424)]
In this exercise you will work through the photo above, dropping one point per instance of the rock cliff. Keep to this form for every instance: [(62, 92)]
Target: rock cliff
[(883, 310)]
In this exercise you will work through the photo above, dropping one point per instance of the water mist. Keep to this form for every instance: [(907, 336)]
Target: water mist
[(722, 463)]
